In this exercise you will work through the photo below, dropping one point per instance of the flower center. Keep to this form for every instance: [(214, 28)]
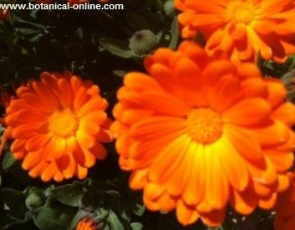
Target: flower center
[(241, 12), (63, 123), (204, 125)]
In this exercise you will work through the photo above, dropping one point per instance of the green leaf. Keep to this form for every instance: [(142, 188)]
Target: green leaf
[(8, 161), (1, 129), (35, 198), (114, 221), (139, 210), (169, 8), (54, 217), (70, 195), (116, 47), (101, 213), (174, 34), (136, 226)]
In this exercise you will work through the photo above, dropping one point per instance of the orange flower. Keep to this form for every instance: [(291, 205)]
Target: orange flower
[(199, 133), (58, 125), (241, 28), (86, 224), (285, 219)]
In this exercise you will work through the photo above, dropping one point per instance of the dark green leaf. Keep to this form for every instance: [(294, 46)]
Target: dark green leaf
[(136, 226), (116, 47), (8, 160), (70, 195), (114, 221), (174, 32), (139, 210), (55, 217)]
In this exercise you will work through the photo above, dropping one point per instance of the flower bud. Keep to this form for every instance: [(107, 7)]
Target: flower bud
[(142, 42)]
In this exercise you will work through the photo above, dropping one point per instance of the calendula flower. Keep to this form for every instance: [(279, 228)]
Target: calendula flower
[(86, 224), (241, 29), (285, 219), (200, 133), (58, 125)]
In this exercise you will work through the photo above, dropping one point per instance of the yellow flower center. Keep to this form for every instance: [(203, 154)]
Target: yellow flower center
[(241, 12), (204, 125), (63, 123)]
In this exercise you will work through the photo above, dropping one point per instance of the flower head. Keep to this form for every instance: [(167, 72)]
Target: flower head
[(285, 219), (241, 29), (86, 224), (58, 124), (199, 133)]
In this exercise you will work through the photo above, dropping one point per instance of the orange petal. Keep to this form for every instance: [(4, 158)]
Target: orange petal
[(285, 113), (282, 161), (138, 179), (244, 202), (195, 191), (168, 159), (81, 172), (225, 92), (248, 112), (48, 173), (276, 92), (269, 202), (245, 143), (235, 169), (217, 187), (213, 219), (32, 159), (185, 215), (166, 203)]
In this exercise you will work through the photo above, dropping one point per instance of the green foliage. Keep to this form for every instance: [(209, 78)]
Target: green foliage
[(8, 161)]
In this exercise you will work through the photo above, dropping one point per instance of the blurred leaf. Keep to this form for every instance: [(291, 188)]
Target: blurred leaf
[(114, 221), (136, 226), (139, 210), (289, 81), (143, 41), (101, 213), (174, 34), (116, 47), (70, 194), (53, 217), (35, 198), (1, 129), (8, 160), (169, 8)]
